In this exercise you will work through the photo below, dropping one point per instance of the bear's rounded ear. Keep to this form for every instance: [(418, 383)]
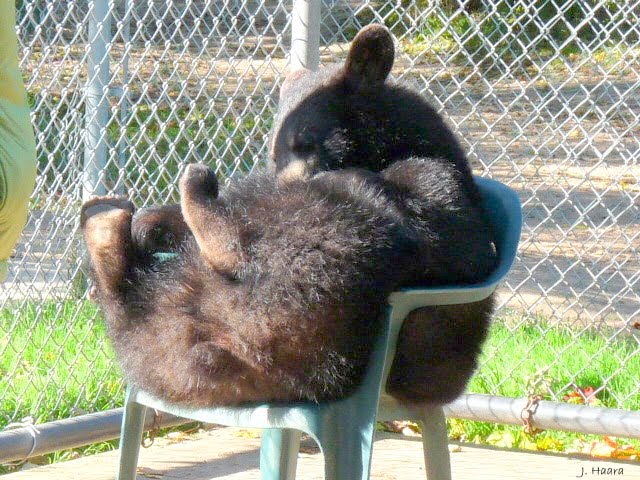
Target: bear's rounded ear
[(290, 81), (370, 58)]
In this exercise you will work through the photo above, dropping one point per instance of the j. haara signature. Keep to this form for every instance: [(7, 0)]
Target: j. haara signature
[(600, 471)]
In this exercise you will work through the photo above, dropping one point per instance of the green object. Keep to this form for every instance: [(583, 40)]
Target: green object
[(344, 429), (164, 256), (17, 142)]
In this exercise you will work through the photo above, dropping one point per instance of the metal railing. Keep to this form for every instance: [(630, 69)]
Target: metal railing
[(545, 96)]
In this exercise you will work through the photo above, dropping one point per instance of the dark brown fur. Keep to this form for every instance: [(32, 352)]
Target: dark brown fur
[(279, 281), (290, 317)]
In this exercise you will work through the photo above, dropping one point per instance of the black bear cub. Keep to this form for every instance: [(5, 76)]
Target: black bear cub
[(280, 280)]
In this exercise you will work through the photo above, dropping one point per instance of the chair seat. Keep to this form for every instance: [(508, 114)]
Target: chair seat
[(344, 429)]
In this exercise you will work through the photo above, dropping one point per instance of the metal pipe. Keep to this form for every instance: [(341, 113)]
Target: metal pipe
[(123, 140), (547, 415), (96, 100), (23, 443), (305, 34)]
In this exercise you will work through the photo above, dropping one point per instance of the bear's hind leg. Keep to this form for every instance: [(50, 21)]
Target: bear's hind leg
[(217, 360), (205, 215), (437, 352), (106, 226), (159, 229)]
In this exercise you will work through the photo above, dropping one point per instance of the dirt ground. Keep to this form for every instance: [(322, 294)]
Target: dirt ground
[(233, 454)]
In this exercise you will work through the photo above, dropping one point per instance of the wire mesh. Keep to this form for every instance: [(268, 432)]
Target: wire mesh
[(543, 94)]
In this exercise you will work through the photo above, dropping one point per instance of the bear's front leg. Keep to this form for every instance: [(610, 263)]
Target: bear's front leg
[(106, 227), (208, 220)]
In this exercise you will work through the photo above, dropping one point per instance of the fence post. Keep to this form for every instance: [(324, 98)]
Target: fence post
[(123, 145), (305, 34), (96, 100)]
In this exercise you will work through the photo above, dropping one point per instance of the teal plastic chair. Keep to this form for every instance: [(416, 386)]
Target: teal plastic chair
[(344, 429)]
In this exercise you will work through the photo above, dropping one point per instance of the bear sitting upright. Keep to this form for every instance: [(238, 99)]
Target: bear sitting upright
[(281, 279), (352, 116)]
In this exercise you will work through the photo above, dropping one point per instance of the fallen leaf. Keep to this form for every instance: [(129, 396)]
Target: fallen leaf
[(611, 441), (39, 460), (608, 447), (309, 449), (501, 439), (248, 433), (527, 444), (175, 437), (149, 472), (578, 446), (620, 450), (627, 452), (601, 450), (550, 444), (582, 396), (404, 427)]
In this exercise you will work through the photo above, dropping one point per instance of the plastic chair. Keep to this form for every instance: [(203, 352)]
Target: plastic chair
[(344, 429)]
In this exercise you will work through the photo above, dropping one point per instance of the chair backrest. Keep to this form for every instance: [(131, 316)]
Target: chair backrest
[(505, 212)]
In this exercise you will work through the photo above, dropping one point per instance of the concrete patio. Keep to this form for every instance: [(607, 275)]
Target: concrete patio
[(233, 454)]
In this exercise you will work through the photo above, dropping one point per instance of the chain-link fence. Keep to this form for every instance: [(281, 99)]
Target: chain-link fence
[(544, 95)]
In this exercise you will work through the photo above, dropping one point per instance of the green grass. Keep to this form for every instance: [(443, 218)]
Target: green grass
[(55, 362), (512, 36), (534, 357)]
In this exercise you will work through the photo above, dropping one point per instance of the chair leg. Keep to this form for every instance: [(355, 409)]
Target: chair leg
[(347, 452), (279, 453), (130, 438), (435, 443)]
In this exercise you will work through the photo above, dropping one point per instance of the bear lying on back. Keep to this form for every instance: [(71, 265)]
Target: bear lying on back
[(281, 279)]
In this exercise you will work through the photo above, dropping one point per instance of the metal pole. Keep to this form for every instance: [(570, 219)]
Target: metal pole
[(22, 443), (305, 34), (96, 100), (123, 141), (547, 415)]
